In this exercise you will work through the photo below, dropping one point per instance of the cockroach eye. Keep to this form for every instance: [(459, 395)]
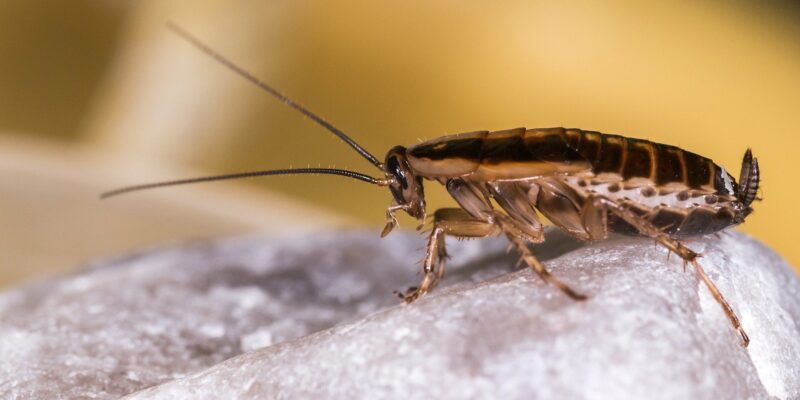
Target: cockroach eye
[(393, 165)]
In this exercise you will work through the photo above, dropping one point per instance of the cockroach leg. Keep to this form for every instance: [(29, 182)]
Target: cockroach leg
[(391, 220), (515, 236), (457, 222), (447, 221), (721, 300), (646, 228), (432, 265), (441, 258)]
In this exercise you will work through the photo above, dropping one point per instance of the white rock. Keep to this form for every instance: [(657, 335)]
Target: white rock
[(315, 318)]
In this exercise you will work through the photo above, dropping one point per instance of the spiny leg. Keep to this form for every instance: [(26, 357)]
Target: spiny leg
[(446, 221), (515, 236), (432, 267), (457, 222), (646, 228)]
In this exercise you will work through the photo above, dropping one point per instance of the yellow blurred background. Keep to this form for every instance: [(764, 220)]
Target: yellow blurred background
[(96, 94)]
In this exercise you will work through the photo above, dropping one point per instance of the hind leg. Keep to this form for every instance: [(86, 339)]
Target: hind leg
[(689, 256)]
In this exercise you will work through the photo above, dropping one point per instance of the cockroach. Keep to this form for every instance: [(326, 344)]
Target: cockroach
[(586, 183)]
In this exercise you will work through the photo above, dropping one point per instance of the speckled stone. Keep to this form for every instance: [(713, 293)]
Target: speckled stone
[(314, 317)]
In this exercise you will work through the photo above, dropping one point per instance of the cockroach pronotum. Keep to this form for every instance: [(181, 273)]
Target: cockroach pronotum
[(586, 183)]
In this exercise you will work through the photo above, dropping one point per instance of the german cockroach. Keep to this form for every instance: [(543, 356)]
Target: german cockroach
[(586, 183)]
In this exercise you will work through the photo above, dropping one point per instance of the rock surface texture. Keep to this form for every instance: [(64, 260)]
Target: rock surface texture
[(314, 317)]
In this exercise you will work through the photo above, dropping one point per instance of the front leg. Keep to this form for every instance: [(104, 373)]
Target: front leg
[(446, 221), (391, 220)]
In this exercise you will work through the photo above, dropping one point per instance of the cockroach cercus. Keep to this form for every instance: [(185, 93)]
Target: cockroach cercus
[(586, 183)]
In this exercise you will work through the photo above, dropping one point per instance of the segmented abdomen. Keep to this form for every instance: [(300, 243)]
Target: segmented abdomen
[(659, 163)]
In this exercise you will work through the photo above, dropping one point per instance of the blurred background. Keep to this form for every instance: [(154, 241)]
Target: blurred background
[(96, 94)]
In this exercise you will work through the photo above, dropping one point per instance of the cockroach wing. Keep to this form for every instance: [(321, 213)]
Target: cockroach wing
[(513, 154)]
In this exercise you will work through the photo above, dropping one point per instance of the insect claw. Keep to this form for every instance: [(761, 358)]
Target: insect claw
[(411, 294)]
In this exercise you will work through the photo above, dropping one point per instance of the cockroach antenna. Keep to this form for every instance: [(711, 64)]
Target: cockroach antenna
[(283, 98), (251, 174), (272, 91)]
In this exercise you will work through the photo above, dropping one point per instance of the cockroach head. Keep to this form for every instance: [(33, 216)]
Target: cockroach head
[(405, 185)]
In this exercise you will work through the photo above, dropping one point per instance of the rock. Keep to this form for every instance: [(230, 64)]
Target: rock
[(313, 316)]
